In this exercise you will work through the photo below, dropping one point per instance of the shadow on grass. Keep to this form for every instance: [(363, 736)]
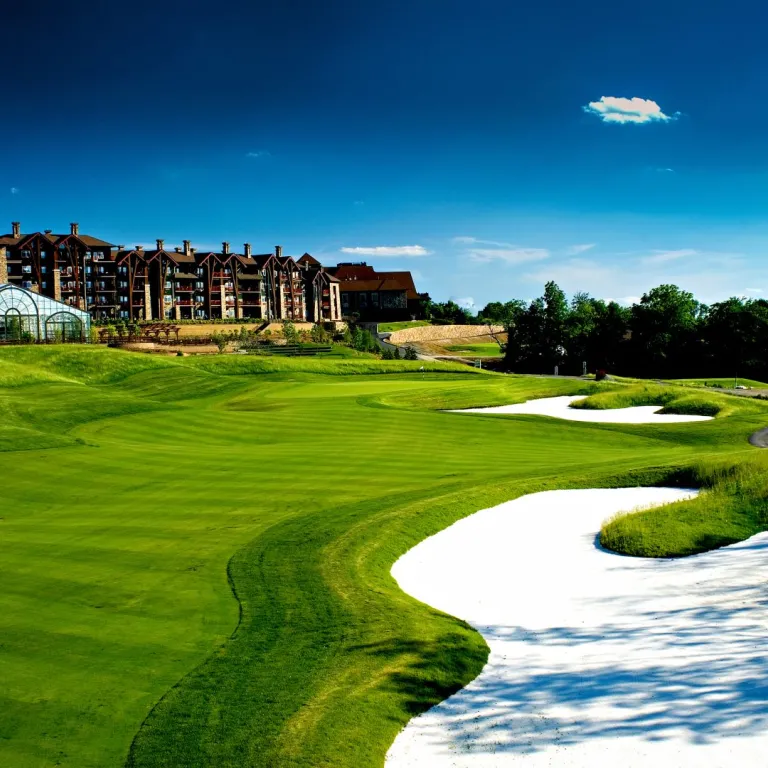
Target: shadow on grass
[(432, 671)]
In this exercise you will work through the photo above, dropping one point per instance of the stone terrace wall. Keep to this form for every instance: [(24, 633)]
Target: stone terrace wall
[(441, 333)]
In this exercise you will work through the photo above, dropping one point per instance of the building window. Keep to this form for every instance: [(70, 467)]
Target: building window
[(44, 284)]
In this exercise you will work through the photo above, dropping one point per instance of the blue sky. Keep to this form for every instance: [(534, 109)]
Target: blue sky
[(455, 139)]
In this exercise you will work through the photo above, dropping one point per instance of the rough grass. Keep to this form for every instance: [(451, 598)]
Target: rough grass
[(721, 383), (486, 350), (195, 559), (733, 507), (671, 399), (401, 326)]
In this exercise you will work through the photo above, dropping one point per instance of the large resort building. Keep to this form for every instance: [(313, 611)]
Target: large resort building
[(117, 282)]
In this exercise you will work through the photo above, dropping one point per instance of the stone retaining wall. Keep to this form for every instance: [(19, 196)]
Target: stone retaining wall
[(441, 333)]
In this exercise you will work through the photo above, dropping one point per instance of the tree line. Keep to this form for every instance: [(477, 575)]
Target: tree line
[(668, 334)]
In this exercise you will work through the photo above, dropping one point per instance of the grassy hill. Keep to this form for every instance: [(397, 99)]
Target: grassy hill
[(195, 552)]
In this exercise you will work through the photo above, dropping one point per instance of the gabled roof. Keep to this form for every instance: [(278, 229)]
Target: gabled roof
[(286, 261), (53, 239), (325, 277), (262, 259), (308, 260), (121, 256)]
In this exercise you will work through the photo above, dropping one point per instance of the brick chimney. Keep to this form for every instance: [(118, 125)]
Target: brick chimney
[(74, 228), (187, 247), (247, 250), (225, 247), (3, 265), (16, 228), (139, 248), (279, 251), (160, 244)]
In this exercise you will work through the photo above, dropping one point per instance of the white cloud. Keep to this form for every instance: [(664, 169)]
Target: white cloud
[(661, 257), (665, 170), (465, 303), (616, 109), (359, 202), (753, 290), (388, 250), (476, 241), (510, 255), (259, 153), (625, 301), (14, 190), (575, 250)]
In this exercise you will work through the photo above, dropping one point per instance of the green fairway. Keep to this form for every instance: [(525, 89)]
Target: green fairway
[(195, 551)]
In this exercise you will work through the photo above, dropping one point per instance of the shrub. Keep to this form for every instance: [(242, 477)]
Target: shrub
[(410, 353), (290, 333)]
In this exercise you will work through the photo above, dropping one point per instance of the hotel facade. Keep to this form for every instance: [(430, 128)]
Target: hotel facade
[(115, 282)]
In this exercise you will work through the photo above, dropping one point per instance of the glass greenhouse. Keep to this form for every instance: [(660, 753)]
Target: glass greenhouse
[(26, 316)]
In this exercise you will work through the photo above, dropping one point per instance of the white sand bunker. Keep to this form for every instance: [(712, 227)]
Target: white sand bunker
[(559, 407), (596, 659)]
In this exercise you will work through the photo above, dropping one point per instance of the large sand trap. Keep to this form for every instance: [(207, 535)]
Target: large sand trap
[(597, 660), (560, 408)]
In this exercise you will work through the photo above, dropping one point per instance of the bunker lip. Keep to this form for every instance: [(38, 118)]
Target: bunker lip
[(559, 407), (596, 659)]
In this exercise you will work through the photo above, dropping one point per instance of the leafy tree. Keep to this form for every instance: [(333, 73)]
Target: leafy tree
[(220, 340), (410, 353), (290, 333), (663, 327), (318, 334)]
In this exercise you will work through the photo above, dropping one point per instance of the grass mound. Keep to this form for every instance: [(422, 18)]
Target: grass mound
[(733, 507), (671, 399)]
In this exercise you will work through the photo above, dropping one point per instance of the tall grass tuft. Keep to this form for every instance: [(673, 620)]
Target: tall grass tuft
[(671, 400), (732, 507)]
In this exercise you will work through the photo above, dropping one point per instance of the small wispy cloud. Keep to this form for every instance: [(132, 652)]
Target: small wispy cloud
[(388, 250), (476, 241), (753, 290), (616, 109), (465, 302), (661, 257), (508, 255), (358, 203), (14, 190), (575, 250), (259, 153), (665, 170)]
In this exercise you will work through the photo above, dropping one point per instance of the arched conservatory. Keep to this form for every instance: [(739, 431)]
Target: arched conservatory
[(26, 316)]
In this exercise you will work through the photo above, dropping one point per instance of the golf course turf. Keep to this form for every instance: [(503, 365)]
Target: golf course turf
[(195, 552)]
